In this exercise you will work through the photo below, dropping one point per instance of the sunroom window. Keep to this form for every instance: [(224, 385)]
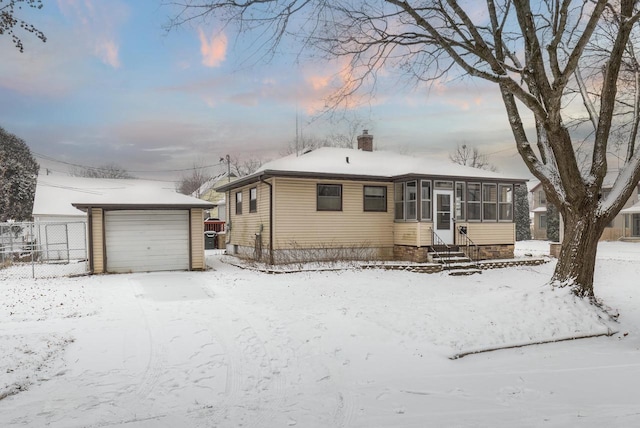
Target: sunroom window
[(505, 202)]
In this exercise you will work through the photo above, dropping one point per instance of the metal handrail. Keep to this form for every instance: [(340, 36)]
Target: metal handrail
[(470, 248), (436, 241)]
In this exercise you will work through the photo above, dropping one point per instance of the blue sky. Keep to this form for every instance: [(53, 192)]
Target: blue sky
[(111, 86)]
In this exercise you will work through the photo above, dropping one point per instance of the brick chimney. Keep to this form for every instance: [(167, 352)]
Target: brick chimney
[(365, 141)]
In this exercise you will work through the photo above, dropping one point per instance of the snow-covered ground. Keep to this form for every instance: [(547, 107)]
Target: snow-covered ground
[(353, 348)]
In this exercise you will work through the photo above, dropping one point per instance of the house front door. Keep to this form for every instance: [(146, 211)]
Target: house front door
[(442, 215), (635, 231)]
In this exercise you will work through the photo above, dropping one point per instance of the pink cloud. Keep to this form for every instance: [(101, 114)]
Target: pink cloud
[(97, 24), (107, 51), (213, 50)]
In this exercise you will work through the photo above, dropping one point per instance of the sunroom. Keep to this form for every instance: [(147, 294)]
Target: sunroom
[(443, 211)]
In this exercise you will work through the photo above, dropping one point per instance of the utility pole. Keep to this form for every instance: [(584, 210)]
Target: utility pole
[(227, 159)]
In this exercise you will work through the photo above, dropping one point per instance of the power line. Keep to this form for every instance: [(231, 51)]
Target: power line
[(49, 158)]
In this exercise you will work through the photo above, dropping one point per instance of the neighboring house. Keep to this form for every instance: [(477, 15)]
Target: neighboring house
[(631, 216), (208, 192), (372, 204), (626, 225), (131, 225), (538, 209)]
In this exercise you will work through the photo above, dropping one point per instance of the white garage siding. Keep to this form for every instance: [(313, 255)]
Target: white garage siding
[(143, 241)]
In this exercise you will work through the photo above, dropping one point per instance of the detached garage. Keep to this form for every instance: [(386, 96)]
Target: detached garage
[(134, 225)]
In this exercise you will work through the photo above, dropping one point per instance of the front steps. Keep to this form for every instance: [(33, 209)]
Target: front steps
[(454, 261)]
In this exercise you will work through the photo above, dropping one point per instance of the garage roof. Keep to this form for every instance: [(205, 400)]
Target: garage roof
[(64, 195)]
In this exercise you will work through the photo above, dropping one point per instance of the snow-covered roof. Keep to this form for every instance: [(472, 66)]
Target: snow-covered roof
[(55, 194), (539, 210), (353, 163), (633, 209), (211, 183)]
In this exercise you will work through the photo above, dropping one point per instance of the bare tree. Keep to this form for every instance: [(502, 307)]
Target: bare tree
[(9, 20), (304, 144), (347, 138), (551, 60), (471, 156), (241, 167), (193, 181), (109, 170)]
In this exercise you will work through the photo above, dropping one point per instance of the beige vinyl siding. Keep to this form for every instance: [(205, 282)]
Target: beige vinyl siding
[(425, 234), (490, 233), (298, 222), (416, 234), (97, 242), (197, 239), (245, 226), (406, 233)]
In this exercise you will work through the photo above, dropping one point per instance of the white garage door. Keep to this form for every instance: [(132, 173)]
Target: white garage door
[(144, 241)]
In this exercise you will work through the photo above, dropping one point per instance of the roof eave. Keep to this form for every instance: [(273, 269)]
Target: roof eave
[(120, 206)]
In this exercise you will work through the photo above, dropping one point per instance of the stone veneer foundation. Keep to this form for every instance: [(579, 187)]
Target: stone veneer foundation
[(410, 254), (419, 254), (500, 251)]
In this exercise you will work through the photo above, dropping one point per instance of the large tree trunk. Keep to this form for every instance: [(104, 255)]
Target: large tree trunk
[(576, 263)]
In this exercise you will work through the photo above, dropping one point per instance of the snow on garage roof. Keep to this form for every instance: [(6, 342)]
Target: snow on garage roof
[(357, 163), (57, 195)]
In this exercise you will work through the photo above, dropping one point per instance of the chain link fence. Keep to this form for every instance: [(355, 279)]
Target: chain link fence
[(43, 249)]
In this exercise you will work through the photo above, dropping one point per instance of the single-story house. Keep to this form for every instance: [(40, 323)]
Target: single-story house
[(621, 227), (368, 204), (131, 225)]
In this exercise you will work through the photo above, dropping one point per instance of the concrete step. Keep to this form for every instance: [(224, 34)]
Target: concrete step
[(468, 264), (464, 272)]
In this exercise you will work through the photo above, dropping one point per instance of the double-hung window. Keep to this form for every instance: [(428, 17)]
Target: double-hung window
[(375, 198), (425, 200), (474, 198), (398, 201), (459, 207), (505, 202), (239, 202), (489, 202), (253, 200), (411, 200), (329, 197)]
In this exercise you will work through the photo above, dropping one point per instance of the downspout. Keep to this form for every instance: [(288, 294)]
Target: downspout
[(90, 240), (227, 225), (270, 219)]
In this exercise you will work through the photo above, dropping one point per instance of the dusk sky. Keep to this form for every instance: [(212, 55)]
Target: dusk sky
[(110, 85)]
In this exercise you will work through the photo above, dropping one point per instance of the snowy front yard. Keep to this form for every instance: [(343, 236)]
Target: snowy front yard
[(231, 347)]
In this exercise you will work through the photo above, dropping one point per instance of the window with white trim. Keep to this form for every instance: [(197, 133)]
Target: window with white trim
[(425, 200), (489, 202), (474, 199), (460, 205), (505, 202), (398, 201)]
